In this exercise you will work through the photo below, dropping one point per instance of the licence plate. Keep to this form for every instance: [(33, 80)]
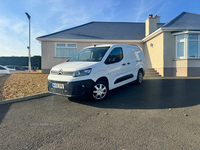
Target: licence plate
[(57, 86)]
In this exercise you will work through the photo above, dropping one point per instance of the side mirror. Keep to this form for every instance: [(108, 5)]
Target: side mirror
[(107, 61)]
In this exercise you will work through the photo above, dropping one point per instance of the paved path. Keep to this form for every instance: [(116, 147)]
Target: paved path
[(137, 118)]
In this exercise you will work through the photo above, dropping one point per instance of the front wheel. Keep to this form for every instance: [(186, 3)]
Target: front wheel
[(139, 77), (100, 90)]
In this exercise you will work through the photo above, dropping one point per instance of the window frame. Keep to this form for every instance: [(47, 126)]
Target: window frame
[(106, 61), (186, 45), (198, 48), (66, 46)]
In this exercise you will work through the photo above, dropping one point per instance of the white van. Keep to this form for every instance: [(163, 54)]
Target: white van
[(95, 70)]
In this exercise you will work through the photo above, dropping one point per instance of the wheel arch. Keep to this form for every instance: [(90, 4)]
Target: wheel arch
[(103, 79), (141, 69)]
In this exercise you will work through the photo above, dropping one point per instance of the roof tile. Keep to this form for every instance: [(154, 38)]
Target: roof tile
[(103, 31)]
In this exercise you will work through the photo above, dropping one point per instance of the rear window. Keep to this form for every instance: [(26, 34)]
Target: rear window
[(90, 54)]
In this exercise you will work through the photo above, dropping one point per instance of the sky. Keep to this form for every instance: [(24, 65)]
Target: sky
[(49, 16)]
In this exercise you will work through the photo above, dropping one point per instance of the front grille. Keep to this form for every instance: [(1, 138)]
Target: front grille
[(59, 91), (70, 89), (61, 82), (68, 73), (65, 73), (64, 91)]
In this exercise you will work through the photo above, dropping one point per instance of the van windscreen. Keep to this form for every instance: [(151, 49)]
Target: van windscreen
[(90, 54)]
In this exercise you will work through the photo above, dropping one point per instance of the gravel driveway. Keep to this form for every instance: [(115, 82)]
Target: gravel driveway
[(159, 114), (2, 80)]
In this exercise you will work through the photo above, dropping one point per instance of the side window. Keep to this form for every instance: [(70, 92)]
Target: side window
[(115, 56), (1, 68)]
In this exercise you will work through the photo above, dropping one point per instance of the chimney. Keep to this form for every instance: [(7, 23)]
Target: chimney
[(151, 24), (151, 16)]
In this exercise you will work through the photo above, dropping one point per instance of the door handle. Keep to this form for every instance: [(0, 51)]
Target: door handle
[(128, 63), (123, 64), (138, 60)]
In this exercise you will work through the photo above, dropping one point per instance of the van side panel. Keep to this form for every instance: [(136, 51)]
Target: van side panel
[(131, 62), (139, 58)]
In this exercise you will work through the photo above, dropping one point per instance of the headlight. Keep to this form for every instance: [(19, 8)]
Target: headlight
[(82, 72)]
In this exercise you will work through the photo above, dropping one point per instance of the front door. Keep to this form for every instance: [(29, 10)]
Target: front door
[(117, 67)]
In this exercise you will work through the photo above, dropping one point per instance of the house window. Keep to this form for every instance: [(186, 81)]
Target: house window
[(180, 46), (188, 46), (193, 45), (65, 49)]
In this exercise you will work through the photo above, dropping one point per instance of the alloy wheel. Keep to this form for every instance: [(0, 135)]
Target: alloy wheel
[(99, 91), (140, 77)]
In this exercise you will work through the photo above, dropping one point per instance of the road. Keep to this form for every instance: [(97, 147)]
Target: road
[(159, 114)]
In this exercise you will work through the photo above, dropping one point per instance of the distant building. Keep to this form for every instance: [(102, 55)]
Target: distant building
[(21, 61)]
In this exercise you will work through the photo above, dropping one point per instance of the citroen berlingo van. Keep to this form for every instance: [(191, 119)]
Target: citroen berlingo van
[(95, 70)]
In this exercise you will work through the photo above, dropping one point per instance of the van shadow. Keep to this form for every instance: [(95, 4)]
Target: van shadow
[(4, 108), (152, 94)]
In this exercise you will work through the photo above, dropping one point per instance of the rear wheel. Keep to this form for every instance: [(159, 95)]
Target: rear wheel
[(100, 90), (139, 77)]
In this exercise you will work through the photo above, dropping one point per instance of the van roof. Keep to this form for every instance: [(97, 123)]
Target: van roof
[(104, 45)]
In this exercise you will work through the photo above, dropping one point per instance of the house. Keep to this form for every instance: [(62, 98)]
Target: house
[(172, 48)]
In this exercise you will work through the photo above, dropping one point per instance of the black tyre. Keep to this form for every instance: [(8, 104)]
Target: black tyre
[(139, 77), (100, 90)]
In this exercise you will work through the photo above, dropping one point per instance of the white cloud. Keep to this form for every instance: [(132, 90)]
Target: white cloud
[(146, 7), (14, 37), (47, 16), (77, 12)]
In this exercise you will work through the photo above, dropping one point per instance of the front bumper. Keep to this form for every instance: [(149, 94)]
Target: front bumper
[(72, 89)]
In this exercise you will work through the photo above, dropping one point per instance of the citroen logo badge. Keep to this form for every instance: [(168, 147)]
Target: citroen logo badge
[(60, 72)]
